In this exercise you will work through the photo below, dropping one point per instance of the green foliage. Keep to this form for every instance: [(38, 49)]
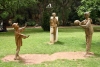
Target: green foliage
[(30, 23), (28, 8), (4, 15), (46, 21), (61, 9), (85, 6), (19, 16), (92, 6), (19, 19), (64, 9), (15, 8)]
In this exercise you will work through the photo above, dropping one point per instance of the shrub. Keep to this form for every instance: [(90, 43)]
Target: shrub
[(45, 21), (4, 15), (30, 23)]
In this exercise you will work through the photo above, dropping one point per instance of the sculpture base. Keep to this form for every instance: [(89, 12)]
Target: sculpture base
[(52, 41)]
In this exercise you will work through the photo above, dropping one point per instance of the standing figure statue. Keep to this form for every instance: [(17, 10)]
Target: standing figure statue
[(18, 38), (53, 28), (87, 26)]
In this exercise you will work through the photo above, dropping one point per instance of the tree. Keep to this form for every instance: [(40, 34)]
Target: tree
[(63, 8), (12, 9), (92, 6), (46, 21), (4, 14)]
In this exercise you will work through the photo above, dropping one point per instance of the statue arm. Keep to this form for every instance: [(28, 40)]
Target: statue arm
[(23, 28), (50, 22), (57, 23), (87, 24)]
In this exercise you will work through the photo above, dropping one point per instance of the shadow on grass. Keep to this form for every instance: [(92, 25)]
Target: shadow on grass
[(59, 43)]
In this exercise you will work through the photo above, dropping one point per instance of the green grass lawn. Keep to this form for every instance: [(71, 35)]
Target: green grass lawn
[(70, 39)]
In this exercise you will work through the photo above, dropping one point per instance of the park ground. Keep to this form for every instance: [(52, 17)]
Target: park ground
[(71, 39)]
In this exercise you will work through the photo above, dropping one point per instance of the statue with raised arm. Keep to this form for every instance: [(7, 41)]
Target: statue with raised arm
[(87, 26), (18, 38), (53, 28)]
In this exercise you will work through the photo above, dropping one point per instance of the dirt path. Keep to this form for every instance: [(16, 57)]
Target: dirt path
[(39, 58)]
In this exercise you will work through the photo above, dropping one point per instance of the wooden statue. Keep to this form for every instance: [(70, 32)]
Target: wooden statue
[(53, 28), (87, 26), (18, 38)]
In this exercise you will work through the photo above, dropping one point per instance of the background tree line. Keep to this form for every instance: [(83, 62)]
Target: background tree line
[(35, 12)]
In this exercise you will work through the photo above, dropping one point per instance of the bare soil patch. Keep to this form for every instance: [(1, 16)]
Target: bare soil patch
[(39, 58)]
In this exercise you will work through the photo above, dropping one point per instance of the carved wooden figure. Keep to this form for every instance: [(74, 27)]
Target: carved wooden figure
[(18, 38), (53, 28), (86, 24)]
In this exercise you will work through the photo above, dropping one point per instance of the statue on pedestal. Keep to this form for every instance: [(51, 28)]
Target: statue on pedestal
[(53, 28)]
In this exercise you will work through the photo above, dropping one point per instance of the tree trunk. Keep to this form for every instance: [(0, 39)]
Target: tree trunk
[(4, 26)]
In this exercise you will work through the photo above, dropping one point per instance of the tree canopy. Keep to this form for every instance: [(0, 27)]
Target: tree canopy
[(92, 6), (31, 11)]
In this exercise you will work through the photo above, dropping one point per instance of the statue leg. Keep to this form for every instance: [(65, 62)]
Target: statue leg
[(88, 44), (17, 53), (55, 33), (86, 38)]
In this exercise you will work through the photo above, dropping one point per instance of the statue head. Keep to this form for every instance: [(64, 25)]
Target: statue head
[(15, 25), (54, 14), (86, 14)]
